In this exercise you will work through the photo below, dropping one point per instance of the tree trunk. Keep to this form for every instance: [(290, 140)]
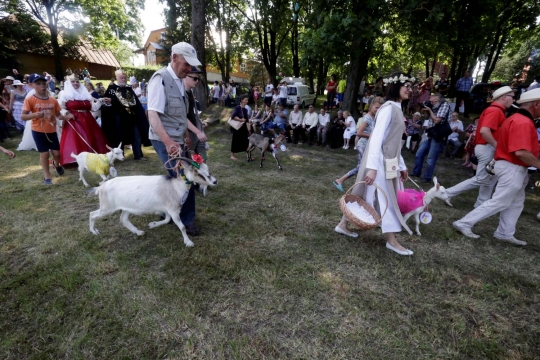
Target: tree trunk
[(433, 65), (320, 76), (198, 25), (53, 28), (360, 54), (171, 14), (427, 66), (295, 49)]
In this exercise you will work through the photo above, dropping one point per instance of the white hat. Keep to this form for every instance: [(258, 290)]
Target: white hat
[(9, 78), (187, 51), (533, 95), (17, 82), (502, 91)]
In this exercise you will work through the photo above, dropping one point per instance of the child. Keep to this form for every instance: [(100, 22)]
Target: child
[(42, 109), (144, 103), (256, 94)]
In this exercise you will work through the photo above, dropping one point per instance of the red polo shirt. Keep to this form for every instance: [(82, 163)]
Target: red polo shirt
[(517, 133), (492, 117)]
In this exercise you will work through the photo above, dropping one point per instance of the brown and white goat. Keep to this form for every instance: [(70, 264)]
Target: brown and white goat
[(438, 192), (141, 195), (264, 144)]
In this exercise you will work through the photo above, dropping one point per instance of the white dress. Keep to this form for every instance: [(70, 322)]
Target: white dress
[(27, 143), (375, 161), (351, 128)]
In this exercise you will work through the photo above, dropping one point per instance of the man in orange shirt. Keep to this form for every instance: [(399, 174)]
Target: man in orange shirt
[(43, 110), (486, 141), (517, 149)]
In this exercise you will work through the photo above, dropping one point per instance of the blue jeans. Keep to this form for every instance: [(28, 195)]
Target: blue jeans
[(430, 148), (187, 211)]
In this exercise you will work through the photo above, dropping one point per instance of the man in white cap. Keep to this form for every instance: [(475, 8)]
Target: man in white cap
[(517, 149), (167, 114), (490, 121)]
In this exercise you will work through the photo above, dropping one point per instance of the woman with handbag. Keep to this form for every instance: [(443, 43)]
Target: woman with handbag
[(240, 136), (383, 165)]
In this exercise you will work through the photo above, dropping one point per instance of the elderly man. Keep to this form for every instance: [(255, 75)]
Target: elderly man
[(167, 112), (310, 123), (517, 149), (124, 121), (487, 130), (431, 147), (295, 124), (322, 128), (17, 76)]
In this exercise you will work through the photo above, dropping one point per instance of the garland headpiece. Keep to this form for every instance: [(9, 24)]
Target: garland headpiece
[(402, 79)]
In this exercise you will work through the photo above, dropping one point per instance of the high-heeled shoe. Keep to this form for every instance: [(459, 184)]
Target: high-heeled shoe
[(407, 252)]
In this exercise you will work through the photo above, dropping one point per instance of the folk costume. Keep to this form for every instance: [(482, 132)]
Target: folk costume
[(124, 121), (384, 143), (83, 132)]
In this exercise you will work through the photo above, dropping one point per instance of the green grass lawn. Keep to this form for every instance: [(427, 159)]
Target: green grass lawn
[(268, 277)]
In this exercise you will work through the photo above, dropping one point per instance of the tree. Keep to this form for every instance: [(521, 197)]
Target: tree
[(270, 22), (109, 20), (198, 25)]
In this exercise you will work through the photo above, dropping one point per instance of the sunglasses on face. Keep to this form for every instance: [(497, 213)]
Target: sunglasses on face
[(195, 78)]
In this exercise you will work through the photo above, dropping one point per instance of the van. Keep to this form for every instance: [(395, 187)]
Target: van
[(300, 94)]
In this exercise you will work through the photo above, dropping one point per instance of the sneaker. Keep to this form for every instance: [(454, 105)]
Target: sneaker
[(59, 169), (511, 240), (465, 231), (47, 182)]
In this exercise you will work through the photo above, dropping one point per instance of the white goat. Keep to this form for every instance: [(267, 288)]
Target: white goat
[(149, 195), (438, 192), (97, 163)]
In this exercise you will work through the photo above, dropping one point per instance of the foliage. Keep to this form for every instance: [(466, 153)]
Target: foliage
[(122, 52), (141, 72)]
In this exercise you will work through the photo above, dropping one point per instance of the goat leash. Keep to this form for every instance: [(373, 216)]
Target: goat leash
[(422, 190)]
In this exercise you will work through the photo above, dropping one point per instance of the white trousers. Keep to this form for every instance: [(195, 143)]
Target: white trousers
[(482, 180), (508, 200)]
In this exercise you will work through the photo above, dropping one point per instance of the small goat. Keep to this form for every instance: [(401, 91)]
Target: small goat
[(438, 192), (149, 195), (264, 144), (98, 163)]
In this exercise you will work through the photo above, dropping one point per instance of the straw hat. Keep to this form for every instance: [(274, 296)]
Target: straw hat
[(502, 91), (529, 96), (17, 83)]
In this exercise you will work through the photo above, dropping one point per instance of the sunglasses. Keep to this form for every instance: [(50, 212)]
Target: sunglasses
[(195, 78)]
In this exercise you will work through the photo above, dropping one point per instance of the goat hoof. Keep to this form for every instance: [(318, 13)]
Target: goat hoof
[(152, 224), (94, 231), (280, 168), (139, 233), (418, 233), (189, 243)]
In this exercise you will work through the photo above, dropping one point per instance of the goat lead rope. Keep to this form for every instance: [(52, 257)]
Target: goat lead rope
[(415, 184)]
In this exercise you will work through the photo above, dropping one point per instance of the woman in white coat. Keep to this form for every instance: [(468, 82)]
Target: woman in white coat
[(384, 143)]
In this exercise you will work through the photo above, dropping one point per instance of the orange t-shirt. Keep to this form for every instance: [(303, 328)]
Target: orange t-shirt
[(517, 133), (492, 117), (46, 124)]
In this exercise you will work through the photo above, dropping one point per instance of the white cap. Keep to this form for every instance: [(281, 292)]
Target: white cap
[(502, 91), (533, 95), (187, 51)]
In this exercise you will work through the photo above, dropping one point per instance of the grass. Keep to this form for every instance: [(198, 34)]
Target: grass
[(267, 279)]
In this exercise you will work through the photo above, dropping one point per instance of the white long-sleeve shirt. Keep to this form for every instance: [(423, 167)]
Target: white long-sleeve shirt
[(375, 159), (295, 118), (324, 119), (311, 120)]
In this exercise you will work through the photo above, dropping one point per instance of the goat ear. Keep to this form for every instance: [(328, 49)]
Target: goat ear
[(435, 181), (438, 186)]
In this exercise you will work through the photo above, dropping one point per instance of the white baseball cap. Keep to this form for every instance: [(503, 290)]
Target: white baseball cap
[(187, 51)]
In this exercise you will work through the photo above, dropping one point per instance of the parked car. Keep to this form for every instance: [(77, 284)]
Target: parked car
[(301, 95), (480, 95)]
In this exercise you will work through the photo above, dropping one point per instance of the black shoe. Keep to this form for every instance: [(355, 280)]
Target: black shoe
[(425, 181), (192, 230), (415, 175), (59, 169)]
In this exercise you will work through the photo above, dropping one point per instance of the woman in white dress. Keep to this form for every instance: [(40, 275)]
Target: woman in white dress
[(350, 129), (384, 143)]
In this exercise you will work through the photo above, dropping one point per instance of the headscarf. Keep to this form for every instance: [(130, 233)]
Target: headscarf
[(70, 93)]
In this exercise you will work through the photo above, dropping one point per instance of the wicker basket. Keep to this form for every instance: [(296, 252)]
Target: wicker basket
[(348, 197)]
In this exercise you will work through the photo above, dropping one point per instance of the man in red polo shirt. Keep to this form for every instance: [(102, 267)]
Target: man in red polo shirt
[(486, 141), (517, 149)]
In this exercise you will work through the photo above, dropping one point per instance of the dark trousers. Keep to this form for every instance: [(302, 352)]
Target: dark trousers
[(312, 135), (187, 212), (463, 95), (297, 132)]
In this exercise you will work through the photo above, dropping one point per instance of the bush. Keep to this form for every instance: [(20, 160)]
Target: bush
[(141, 72)]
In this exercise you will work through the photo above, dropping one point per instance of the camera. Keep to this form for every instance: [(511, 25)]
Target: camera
[(427, 104)]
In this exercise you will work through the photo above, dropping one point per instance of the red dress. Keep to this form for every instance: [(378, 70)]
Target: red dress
[(85, 124)]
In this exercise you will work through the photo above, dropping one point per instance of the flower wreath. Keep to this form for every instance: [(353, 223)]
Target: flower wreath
[(402, 79)]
